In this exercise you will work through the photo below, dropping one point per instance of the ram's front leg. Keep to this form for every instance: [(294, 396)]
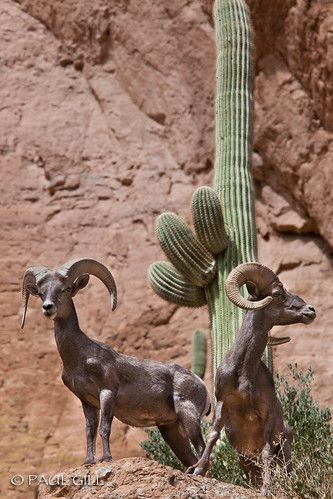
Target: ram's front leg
[(92, 416), (107, 402), (201, 467)]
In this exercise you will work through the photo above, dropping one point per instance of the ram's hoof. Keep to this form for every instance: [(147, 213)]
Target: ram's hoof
[(196, 470), (264, 492), (89, 461), (199, 471), (190, 470)]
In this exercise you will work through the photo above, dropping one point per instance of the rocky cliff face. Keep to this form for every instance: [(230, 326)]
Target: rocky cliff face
[(107, 119)]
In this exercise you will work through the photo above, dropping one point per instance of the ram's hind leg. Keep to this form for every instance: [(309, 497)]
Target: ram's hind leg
[(201, 467), (191, 422), (178, 443)]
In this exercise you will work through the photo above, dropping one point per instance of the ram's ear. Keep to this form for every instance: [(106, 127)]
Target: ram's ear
[(80, 283), (252, 290), (33, 289)]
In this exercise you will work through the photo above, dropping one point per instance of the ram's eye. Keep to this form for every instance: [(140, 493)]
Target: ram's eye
[(280, 296)]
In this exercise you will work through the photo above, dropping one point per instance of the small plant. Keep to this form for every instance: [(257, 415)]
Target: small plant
[(199, 353), (312, 475)]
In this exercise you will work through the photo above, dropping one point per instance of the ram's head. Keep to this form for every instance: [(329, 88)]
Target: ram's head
[(268, 293), (57, 287)]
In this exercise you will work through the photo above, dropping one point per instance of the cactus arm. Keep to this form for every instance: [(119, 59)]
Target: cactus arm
[(184, 250), (173, 287), (208, 220)]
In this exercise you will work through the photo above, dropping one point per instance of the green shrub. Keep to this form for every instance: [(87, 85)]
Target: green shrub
[(312, 456), (312, 451), (158, 450)]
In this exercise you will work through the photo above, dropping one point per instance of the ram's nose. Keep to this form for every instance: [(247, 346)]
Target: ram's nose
[(48, 308), (309, 312)]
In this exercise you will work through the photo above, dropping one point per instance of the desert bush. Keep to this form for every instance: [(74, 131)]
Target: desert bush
[(312, 475)]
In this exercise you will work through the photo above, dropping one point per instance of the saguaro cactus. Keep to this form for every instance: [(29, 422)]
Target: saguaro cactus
[(232, 182), (223, 217)]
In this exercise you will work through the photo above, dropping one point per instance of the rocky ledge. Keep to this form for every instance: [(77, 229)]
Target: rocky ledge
[(136, 478)]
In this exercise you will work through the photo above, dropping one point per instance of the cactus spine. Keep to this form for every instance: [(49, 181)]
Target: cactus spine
[(199, 353)]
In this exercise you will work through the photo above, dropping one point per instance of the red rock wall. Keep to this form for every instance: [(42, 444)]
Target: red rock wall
[(107, 120)]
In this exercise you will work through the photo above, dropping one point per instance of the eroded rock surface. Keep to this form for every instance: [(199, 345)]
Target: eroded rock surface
[(138, 478), (107, 119)]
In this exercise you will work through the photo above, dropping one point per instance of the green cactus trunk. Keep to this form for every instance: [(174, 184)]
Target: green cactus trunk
[(232, 180)]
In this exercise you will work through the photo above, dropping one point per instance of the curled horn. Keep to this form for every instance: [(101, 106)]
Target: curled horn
[(243, 273), (31, 276), (75, 268)]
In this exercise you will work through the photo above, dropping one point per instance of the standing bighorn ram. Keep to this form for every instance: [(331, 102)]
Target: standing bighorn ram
[(138, 392), (247, 405)]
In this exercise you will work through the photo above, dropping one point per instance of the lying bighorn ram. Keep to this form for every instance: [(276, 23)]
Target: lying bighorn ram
[(138, 392), (247, 405)]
